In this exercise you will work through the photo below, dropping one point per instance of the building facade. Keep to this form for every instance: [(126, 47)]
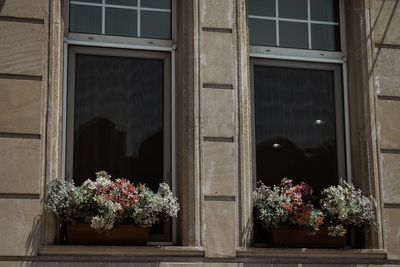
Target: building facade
[(207, 119)]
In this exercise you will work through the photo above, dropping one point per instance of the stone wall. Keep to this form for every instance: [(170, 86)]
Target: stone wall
[(385, 70), (23, 85)]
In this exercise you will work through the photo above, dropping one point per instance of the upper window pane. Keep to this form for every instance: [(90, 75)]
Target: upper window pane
[(163, 4), (261, 7), (85, 19), (117, 22), (131, 18), (122, 2), (326, 10), (263, 32), (293, 9), (293, 34), (301, 24)]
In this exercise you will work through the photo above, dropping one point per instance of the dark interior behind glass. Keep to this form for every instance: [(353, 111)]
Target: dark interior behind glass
[(118, 118), (295, 126)]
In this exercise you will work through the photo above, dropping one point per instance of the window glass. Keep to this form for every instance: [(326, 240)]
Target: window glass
[(325, 10), (261, 7), (122, 2), (155, 24), (89, 1), (263, 32), (299, 22), (118, 118), (293, 34), (325, 37), (164, 4), (293, 9), (85, 19), (295, 126), (116, 22), (121, 17)]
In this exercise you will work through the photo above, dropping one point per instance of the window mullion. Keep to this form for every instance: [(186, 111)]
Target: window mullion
[(309, 23)]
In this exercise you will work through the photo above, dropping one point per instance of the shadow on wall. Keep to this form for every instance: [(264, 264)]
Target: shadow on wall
[(382, 40), (2, 4)]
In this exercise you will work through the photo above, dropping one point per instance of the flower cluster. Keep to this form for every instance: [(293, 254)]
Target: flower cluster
[(341, 206), (287, 205), (105, 203), (345, 206)]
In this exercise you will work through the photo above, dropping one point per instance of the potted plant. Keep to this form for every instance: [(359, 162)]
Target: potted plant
[(345, 207), (108, 212), (286, 211)]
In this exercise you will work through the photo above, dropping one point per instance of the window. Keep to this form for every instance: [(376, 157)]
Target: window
[(119, 113), (304, 24), (299, 91), (134, 18)]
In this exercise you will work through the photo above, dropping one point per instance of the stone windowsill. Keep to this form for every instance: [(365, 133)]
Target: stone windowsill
[(315, 255), (146, 251)]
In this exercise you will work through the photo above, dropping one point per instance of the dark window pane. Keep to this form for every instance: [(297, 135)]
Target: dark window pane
[(325, 37), (164, 4), (89, 1), (261, 7), (85, 19), (325, 10), (293, 34), (294, 9), (295, 126), (262, 32), (155, 24), (121, 22), (118, 119), (122, 2)]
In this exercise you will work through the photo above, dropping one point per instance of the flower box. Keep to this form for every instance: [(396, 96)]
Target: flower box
[(125, 234), (291, 237)]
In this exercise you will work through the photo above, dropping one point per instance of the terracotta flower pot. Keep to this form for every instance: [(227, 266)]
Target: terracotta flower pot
[(285, 236), (125, 234)]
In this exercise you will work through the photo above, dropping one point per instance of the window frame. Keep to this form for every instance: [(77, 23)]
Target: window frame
[(133, 46), (265, 54)]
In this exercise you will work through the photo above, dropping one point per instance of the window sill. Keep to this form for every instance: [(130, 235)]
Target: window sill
[(314, 255), (128, 251)]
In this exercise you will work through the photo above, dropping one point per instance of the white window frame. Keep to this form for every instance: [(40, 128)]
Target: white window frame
[(134, 45), (290, 55)]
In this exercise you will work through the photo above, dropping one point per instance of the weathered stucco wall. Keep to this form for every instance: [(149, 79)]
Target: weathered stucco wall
[(213, 130)]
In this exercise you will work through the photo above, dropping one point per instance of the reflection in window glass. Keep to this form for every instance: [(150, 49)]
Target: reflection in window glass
[(293, 34), (118, 118), (295, 128), (85, 19), (155, 24), (325, 37), (293, 9), (121, 22), (263, 32)]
